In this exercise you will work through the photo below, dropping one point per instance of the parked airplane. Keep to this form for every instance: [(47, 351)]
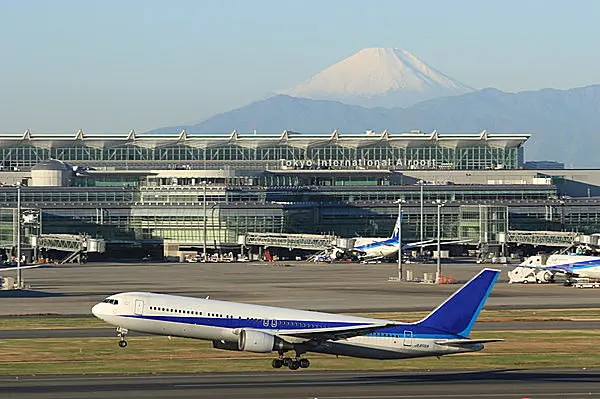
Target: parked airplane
[(377, 248), (570, 265), (263, 329)]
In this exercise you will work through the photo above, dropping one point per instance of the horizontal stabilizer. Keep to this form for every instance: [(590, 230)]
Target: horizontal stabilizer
[(466, 342)]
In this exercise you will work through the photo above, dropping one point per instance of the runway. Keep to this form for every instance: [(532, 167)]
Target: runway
[(110, 332), (336, 288), (496, 384)]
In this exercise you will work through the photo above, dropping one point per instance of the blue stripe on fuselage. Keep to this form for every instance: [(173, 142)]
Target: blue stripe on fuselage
[(572, 267), (390, 242), (295, 325)]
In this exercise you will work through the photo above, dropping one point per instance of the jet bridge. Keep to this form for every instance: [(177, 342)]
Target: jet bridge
[(542, 238), (77, 246), (313, 242)]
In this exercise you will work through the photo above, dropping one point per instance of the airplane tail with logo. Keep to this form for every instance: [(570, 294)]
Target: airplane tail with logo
[(458, 313), (396, 231)]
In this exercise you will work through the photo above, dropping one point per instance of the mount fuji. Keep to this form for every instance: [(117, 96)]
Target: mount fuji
[(379, 77), (371, 90)]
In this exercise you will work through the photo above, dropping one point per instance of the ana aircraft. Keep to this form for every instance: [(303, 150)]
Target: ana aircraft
[(378, 248), (263, 329), (570, 265)]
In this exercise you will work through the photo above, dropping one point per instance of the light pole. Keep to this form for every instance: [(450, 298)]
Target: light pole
[(438, 272), (19, 276), (422, 221), (399, 202), (204, 218), (212, 228)]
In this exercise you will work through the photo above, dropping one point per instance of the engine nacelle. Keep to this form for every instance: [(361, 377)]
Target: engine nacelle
[(225, 345), (260, 342)]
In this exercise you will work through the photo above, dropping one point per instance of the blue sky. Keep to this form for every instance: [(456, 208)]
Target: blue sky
[(112, 66)]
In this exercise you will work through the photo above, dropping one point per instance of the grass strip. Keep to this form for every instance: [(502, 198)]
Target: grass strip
[(523, 349)]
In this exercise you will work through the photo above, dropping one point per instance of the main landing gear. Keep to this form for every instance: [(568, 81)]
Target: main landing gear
[(122, 334), (291, 363)]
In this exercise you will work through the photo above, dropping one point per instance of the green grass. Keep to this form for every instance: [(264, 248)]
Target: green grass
[(523, 349), (46, 322), (49, 322)]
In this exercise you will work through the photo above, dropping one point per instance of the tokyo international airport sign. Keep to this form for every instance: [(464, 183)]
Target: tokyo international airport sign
[(358, 164)]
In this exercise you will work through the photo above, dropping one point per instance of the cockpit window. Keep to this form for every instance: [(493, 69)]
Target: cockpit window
[(111, 301)]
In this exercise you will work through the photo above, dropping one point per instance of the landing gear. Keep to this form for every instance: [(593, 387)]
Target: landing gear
[(292, 364), (122, 334)]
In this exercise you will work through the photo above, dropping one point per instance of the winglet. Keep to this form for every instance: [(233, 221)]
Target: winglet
[(458, 313)]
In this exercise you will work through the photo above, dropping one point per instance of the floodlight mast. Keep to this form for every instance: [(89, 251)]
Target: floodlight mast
[(399, 202), (438, 272)]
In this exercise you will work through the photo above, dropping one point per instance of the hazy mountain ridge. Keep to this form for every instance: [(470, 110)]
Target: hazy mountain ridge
[(564, 123)]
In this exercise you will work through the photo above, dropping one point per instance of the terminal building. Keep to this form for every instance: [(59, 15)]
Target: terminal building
[(163, 193)]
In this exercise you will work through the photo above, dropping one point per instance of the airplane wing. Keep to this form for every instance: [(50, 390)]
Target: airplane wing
[(24, 267), (431, 243), (566, 268), (337, 333), (417, 244)]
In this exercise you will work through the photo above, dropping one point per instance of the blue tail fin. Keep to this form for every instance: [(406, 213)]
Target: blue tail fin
[(458, 313), (396, 231)]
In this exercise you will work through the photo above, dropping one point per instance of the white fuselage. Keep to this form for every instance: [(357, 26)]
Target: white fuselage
[(222, 321), (576, 265), (580, 265), (371, 248)]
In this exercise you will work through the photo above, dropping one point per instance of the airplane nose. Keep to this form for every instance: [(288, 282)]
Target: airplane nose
[(96, 310)]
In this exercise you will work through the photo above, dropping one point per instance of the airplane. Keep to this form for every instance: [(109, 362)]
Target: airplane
[(263, 329), (573, 265), (377, 248)]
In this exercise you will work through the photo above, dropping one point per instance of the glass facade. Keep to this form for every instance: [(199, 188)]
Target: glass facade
[(208, 190), (402, 151), (7, 227)]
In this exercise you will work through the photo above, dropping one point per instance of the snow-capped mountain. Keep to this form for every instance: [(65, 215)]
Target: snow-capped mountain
[(379, 77)]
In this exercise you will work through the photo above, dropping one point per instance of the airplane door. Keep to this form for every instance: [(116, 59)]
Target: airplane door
[(139, 307), (408, 338)]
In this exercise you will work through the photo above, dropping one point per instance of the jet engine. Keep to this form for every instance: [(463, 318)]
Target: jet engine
[(260, 342), (225, 345)]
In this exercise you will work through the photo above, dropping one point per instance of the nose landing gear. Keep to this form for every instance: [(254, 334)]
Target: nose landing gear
[(122, 334)]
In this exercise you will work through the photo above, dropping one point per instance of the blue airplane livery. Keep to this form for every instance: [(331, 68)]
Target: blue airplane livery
[(265, 329)]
